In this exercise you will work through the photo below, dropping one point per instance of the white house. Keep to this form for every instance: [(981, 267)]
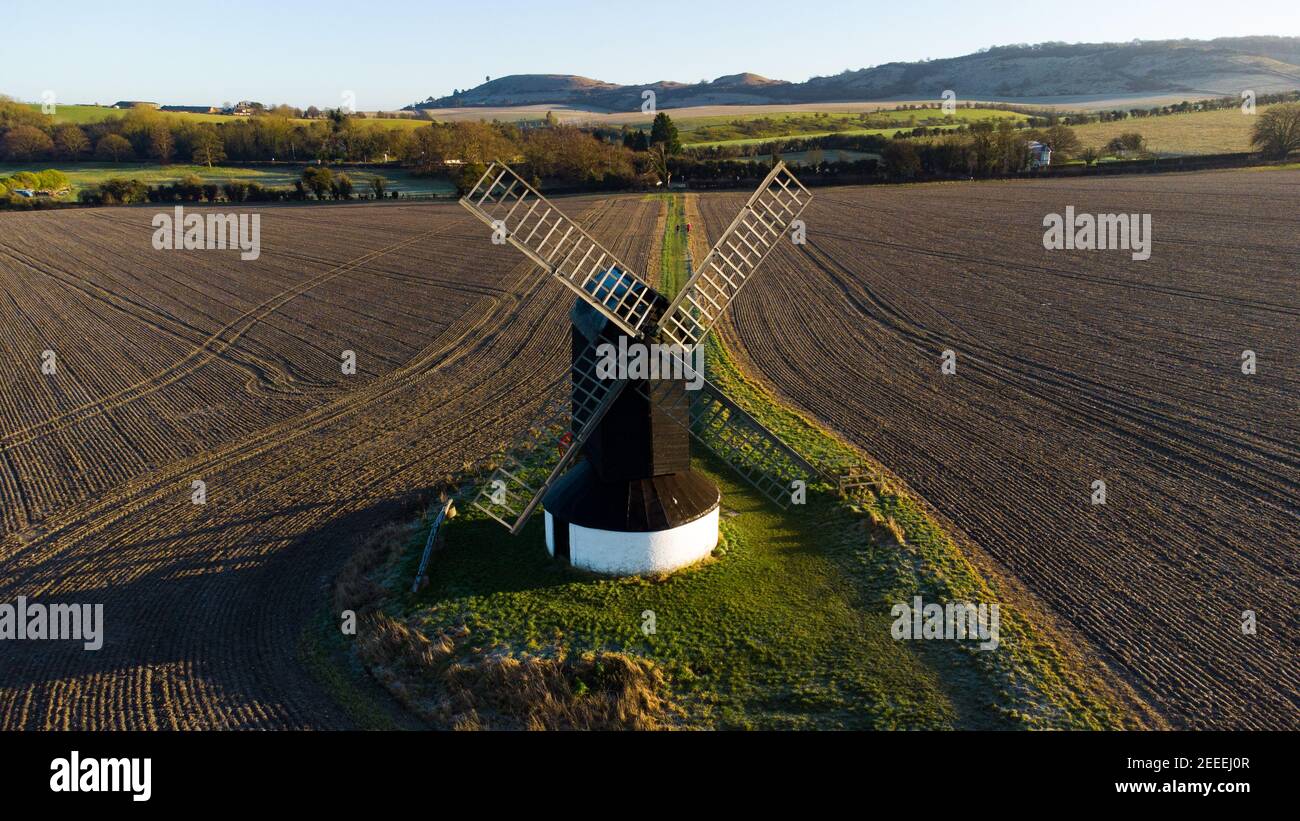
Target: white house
[(1040, 154)]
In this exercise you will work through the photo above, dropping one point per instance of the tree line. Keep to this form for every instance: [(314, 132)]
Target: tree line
[(145, 134), (563, 155), (317, 182), (1184, 107)]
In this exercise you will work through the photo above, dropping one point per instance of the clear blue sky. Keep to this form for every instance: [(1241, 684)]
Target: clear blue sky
[(396, 52)]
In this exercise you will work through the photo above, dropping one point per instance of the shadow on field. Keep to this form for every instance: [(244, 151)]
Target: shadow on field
[(199, 632), (481, 558)]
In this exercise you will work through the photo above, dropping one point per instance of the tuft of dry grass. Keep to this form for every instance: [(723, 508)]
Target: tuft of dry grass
[(385, 641), (896, 530), (592, 691), (501, 691)]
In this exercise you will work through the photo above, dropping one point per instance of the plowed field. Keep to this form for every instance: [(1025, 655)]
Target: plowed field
[(1074, 366), (175, 366)]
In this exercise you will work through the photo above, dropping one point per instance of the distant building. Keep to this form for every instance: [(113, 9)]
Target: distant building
[(126, 104), (193, 109), (1040, 154), (243, 108)]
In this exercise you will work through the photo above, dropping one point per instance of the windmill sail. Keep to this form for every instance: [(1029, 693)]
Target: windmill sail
[(549, 445), (752, 234), (523, 217), (757, 454), (506, 203)]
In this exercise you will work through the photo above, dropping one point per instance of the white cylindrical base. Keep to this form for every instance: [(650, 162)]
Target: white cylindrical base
[(622, 553)]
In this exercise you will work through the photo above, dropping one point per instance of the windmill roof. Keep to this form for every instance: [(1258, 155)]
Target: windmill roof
[(634, 506)]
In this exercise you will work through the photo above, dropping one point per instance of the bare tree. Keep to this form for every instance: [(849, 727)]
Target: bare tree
[(25, 143), (161, 143), (1277, 130), (659, 159), (1063, 141)]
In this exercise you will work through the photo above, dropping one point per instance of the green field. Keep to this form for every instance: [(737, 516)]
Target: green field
[(1195, 132), (88, 175), (376, 122), (787, 626), (809, 157), (83, 114), (714, 131), (857, 132)]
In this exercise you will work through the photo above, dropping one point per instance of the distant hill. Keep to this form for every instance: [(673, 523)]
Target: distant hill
[(584, 92), (1225, 66)]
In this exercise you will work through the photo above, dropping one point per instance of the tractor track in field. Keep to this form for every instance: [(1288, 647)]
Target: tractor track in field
[(210, 348), (1213, 447)]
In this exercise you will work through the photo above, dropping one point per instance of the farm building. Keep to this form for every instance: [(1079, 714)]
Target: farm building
[(1040, 154), (129, 104), (243, 108)]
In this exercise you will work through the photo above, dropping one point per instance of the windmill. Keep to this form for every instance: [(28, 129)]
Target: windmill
[(609, 457)]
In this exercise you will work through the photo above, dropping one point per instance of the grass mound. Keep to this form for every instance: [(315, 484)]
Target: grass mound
[(505, 691)]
